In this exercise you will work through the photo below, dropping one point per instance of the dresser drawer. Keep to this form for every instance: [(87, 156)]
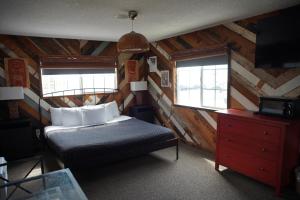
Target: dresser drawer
[(263, 150), (250, 165), (250, 129), (263, 147)]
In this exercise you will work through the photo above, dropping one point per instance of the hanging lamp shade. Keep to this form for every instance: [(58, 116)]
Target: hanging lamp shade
[(133, 42)]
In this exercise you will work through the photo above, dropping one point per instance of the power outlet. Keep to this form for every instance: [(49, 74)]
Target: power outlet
[(38, 133)]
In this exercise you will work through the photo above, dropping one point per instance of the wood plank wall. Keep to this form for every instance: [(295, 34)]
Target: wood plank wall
[(198, 127), (32, 48), (193, 126)]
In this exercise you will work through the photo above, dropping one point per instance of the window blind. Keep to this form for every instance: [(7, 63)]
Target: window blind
[(213, 60), (56, 71), (78, 62)]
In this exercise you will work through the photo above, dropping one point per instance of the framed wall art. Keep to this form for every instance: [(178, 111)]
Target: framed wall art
[(16, 72), (165, 78), (152, 62), (132, 70)]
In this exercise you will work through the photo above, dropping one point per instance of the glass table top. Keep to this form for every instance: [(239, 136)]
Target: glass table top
[(57, 185)]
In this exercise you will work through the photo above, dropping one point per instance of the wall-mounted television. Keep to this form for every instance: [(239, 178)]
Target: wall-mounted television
[(278, 40)]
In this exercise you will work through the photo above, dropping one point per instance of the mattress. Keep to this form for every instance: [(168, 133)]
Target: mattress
[(104, 143)]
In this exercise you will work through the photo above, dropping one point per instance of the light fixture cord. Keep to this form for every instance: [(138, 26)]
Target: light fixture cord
[(131, 24)]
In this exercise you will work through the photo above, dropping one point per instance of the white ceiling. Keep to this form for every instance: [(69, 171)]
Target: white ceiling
[(96, 19)]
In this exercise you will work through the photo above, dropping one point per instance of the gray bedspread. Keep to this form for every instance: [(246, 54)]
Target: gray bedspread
[(106, 141)]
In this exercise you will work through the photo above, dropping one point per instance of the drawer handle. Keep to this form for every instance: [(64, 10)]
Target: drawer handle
[(263, 149), (262, 169), (266, 133)]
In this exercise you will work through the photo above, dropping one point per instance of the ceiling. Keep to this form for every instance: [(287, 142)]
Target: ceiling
[(96, 19)]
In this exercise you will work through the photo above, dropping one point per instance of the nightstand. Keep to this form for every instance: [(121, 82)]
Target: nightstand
[(142, 112), (16, 139)]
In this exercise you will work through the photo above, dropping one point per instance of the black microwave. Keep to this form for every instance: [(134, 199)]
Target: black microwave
[(280, 106)]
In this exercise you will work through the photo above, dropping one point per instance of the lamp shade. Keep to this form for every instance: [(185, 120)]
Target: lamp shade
[(138, 86), (133, 43), (11, 93)]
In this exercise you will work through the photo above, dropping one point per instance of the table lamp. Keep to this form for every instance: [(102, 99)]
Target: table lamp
[(12, 94), (137, 87)]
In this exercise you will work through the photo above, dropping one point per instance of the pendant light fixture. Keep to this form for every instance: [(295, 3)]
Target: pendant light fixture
[(133, 42)]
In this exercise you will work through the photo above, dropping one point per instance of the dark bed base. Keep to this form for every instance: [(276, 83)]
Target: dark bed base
[(102, 160)]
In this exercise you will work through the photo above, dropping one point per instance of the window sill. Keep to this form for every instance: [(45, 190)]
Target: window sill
[(199, 108)]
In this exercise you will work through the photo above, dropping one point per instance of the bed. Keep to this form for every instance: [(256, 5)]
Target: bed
[(120, 138)]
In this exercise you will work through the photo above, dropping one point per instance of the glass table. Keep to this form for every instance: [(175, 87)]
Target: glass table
[(57, 185)]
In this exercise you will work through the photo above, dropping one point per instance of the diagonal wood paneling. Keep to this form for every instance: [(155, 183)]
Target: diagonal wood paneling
[(195, 127), (247, 82), (32, 48)]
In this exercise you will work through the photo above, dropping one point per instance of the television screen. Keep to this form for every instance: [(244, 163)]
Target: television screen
[(278, 40)]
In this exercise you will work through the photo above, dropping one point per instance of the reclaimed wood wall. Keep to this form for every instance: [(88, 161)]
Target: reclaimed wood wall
[(193, 126), (196, 126), (32, 48)]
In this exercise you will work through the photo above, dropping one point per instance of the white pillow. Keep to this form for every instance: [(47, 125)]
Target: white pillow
[(93, 116), (94, 106), (56, 116), (111, 110), (71, 117)]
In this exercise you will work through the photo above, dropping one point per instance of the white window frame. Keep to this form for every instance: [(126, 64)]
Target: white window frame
[(202, 86), (81, 90)]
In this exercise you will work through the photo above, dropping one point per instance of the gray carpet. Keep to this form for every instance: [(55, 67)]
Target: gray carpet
[(159, 176)]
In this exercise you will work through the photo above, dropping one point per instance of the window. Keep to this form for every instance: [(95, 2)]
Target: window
[(203, 82), (77, 75), (61, 82)]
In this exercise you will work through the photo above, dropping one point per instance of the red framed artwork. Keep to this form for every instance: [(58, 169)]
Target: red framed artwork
[(131, 70), (16, 72)]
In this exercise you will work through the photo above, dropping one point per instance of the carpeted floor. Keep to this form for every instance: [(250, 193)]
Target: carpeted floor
[(160, 176)]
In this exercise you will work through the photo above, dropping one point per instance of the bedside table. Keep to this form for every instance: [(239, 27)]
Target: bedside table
[(16, 139), (142, 112)]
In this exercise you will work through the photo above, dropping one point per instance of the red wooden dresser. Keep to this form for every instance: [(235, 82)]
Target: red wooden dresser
[(262, 147)]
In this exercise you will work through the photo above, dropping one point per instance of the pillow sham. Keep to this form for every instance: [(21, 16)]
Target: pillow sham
[(94, 106), (93, 116), (56, 116), (71, 116), (111, 110)]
